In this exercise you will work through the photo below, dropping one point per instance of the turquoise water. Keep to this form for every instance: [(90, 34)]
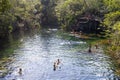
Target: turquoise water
[(36, 52)]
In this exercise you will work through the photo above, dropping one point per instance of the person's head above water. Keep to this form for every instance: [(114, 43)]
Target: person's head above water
[(20, 71), (58, 61)]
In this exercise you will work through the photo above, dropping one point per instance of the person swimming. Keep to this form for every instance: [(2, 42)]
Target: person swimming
[(89, 50), (56, 64), (96, 46), (20, 71), (58, 61)]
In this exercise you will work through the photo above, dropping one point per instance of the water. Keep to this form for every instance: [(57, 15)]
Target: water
[(37, 51)]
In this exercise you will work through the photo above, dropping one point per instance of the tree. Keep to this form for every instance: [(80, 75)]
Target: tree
[(15, 12), (112, 5), (67, 10), (112, 21), (48, 12), (4, 6)]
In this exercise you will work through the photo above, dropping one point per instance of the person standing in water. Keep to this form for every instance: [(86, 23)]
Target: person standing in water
[(58, 61), (54, 66), (89, 50)]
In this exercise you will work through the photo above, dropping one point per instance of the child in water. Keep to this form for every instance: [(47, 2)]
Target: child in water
[(20, 71), (58, 61), (56, 64)]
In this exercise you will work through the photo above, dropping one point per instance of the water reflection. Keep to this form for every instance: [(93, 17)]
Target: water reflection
[(37, 52)]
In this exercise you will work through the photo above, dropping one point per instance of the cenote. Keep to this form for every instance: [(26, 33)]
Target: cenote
[(35, 53)]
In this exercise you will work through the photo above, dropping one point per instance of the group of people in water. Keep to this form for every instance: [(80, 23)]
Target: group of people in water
[(56, 64)]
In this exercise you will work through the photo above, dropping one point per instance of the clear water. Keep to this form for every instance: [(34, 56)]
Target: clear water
[(38, 51)]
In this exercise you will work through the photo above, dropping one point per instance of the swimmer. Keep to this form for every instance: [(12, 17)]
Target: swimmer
[(58, 61), (20, 71), (89, 50), (54, 66), (96, 46)]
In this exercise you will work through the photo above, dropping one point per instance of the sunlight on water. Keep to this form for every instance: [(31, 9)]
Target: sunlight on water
[(72, 42), (37, 54)]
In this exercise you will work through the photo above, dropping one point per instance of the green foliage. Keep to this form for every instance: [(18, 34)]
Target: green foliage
[(13, 12), (112, 21), (67, 11), (48, 12), (112, 5), (6, 21), (112, 18), (4, 6), (10, 29)]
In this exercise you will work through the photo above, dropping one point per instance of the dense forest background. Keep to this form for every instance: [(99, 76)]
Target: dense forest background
[(18, 15)]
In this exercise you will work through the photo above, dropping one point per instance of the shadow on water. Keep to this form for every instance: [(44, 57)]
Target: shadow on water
[(33, 55), (8, 45), (11, 42)]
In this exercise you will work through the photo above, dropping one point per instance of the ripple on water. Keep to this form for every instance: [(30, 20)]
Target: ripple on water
[(38, 53)]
